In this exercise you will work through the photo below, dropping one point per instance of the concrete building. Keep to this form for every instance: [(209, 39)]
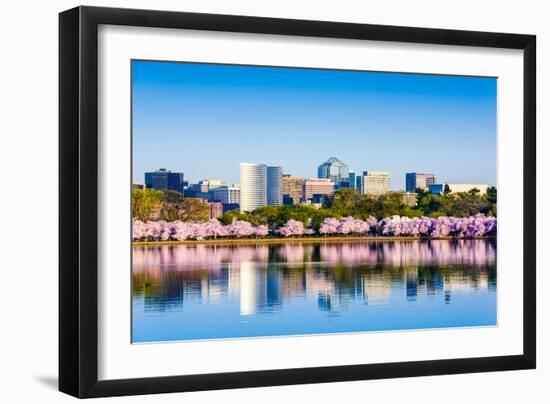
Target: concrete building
[(216, 209), (410, 199), (292, 189), (163, 179), (208, 185), (253, 180), (227, 194), (376, 182), (317, 186), (274, 185), (336, 171), (443, 187), (418, 180)]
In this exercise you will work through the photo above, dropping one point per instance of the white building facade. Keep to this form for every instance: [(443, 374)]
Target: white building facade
[(253, 180), (227, 194), (376, 182)]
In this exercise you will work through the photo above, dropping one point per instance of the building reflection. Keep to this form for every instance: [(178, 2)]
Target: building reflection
[(331, 275)]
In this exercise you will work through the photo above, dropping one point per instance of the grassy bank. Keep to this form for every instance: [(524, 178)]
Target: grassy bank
[(276, 240)]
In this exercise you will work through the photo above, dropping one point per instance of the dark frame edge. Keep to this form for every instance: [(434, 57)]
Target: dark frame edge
[(281, 377), (69, 114), (529, 200)]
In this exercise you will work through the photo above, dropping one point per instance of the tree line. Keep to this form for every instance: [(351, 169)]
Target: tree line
[(348, 202), (150, 204)]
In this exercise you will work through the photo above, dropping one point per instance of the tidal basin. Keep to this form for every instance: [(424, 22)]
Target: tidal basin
[(202, 291)]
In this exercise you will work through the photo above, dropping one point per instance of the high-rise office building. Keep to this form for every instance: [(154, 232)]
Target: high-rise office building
[(274, 185), (163, 179), (317, 186), (292, 189), (351, 180), (253, 186), (336, 171), (376, 182), (418, 180), (227, 194), (359, 184)]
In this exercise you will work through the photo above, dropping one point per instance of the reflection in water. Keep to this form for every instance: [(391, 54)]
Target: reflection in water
[(219, 291)]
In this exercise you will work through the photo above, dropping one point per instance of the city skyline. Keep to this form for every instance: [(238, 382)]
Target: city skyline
[(203, 120), (360, 174)]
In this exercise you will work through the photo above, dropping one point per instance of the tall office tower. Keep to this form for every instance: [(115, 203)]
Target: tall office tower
[(163, 179), (317, 186), (292, 189), (274, 186), (336, 171), (253, 186), (352, 179), (376, 182), (359, 184), (418, 180)]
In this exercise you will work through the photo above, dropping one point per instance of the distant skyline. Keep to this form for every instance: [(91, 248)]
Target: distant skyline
[(204, 120)]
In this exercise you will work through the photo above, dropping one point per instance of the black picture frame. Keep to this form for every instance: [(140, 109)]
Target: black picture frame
[(78, 201)]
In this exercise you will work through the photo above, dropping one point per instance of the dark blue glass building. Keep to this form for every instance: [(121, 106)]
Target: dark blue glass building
[(163, 179)]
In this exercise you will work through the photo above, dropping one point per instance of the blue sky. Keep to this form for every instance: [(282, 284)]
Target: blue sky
[(204, 119)]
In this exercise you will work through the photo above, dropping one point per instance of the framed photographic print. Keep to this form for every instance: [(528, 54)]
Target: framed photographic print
[(250, 201)]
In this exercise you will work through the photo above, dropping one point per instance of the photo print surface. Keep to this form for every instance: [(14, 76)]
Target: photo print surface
[(273, 201)]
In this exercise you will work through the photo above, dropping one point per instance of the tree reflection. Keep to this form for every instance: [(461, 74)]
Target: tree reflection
[(266, 277)]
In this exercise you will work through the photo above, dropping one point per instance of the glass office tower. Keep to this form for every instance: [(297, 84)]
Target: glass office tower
[(163, 179), (275, 186), (336, 171)]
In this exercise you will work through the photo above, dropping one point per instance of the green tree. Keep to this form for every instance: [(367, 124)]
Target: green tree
[(466, 204), (392, 204), (145, 202), (192, 210), (231, 215), (430, 203), (421, 192), (491, 195), (491, 209), (171, 205), (344, 202), (270, 215)]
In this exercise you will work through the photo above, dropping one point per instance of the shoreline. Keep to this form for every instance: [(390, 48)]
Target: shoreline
[(302, 240)]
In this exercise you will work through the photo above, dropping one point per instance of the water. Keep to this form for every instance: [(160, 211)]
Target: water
[(190, 292)]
